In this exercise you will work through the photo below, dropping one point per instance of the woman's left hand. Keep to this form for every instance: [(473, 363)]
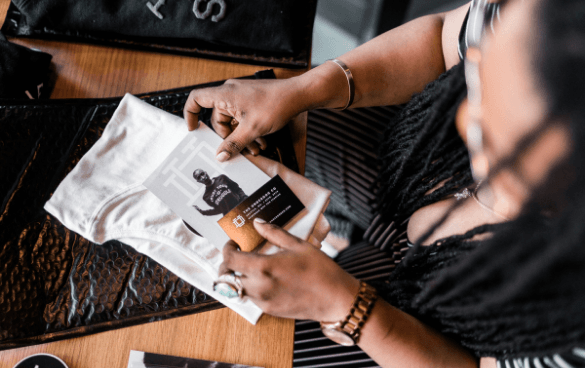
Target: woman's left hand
[(298, 282)]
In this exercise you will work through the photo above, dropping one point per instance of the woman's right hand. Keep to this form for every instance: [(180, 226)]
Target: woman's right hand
[(244, 111)]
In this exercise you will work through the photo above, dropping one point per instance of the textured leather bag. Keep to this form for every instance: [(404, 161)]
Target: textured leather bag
[(55, 284), (262, 31)]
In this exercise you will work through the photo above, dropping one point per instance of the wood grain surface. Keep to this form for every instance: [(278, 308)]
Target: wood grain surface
[(86, 71), (218, 335)]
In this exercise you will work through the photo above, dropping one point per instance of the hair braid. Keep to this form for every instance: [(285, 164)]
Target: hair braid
[(421, 149)]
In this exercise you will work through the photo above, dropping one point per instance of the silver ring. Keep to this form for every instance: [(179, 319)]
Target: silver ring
[(229, 285)]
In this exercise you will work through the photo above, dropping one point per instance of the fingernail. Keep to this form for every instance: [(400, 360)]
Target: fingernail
[(259, 220), (223, 156)]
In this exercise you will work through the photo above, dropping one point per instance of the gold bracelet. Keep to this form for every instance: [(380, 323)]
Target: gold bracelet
[(348, 331), (350, 83)]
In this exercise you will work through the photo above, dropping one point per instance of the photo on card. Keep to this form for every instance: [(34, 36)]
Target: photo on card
[(220, 200), (140, 359)]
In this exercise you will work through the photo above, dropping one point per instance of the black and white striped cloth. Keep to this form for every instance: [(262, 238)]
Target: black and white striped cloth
[(575, 358)]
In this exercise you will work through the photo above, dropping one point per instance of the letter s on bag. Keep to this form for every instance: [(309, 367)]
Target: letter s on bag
[(209, 9)]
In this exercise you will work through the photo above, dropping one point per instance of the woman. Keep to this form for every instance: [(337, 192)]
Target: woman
[(500, 278)]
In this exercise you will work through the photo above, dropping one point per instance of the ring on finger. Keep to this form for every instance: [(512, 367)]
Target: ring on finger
[(229, 285)]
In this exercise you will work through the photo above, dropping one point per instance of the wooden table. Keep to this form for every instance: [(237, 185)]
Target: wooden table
[(86, 71)]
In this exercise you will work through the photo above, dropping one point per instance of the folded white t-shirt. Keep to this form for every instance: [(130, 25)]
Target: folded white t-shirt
[(103, 198)]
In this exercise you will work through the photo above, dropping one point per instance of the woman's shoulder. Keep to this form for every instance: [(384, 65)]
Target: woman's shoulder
[(454, 21)]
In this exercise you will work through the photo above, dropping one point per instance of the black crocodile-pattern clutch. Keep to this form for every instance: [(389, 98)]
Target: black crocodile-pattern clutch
[(54, 284)]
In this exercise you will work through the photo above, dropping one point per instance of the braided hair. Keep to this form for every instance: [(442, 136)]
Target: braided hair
[(520, 292), (421, 149)]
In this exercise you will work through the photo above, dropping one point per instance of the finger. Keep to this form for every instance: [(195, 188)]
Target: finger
[(253, 148), (221, 120), (261, 141), (223, 270), (223, 130), (234, 143), (191, 117), (257, 289), (234, 260), (277, 235), (197, 99), (191, 111)]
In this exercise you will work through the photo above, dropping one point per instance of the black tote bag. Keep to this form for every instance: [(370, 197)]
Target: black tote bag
[(261, 31)]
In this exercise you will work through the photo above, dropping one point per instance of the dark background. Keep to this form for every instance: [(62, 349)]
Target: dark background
[(341, 25)]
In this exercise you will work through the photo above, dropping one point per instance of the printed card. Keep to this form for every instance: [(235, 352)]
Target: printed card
[(220, 200), (140, 359)]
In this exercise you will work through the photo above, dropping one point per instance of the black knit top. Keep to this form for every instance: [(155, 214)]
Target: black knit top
[(488, 295)]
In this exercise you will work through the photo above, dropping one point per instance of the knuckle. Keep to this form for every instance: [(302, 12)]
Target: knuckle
[(230, 83), (266, 272), (228, 250), (257, 128), (191, 100), (223, 269), (240, 115), (301, 265), (192, 94), (266, 295), (222, 105), (227, 258), (234, 145), (265, 268)]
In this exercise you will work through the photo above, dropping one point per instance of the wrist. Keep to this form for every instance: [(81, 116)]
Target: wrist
[(322, 87), (343, 301), (347, 331)]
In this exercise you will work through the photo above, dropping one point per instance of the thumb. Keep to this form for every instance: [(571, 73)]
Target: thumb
[(277, 235), (234, 143)]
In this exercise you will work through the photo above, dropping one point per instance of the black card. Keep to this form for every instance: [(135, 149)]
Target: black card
[(274, 203)]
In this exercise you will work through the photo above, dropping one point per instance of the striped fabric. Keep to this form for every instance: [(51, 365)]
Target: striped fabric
[(312, 349), (342, 156), (575, 358)]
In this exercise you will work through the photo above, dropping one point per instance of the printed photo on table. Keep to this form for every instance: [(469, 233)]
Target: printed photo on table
[(140, 359), (201, 190), (221, 193)]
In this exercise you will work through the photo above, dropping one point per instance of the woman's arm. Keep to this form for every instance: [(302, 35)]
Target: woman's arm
[(302, 282), (395, 339), (390, 68), (387, 70)]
